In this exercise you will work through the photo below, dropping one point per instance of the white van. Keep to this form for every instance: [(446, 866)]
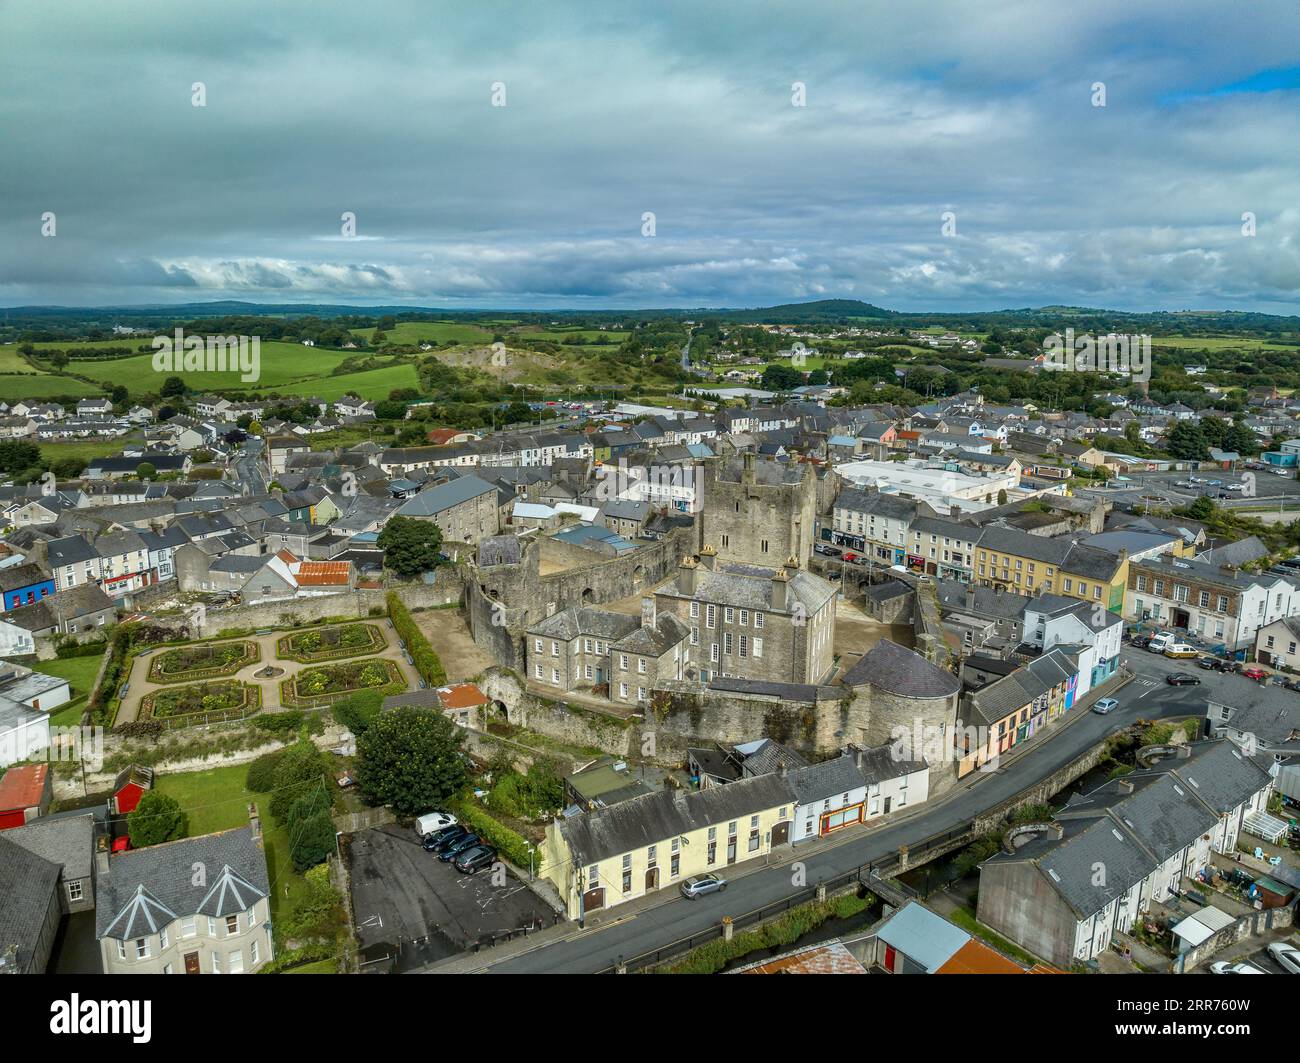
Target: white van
[(1181, 650), (433, 821), (1161, 642)]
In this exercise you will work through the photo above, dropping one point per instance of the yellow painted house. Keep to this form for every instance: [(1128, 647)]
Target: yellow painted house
[(631, 849), (1034, 564)]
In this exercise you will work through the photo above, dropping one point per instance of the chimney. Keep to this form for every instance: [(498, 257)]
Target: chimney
[(747, 468), (101, 856), (780, 590), (780, 769), (1184, 752), (686, 576), (954, 510), (1126, 786), (791, 566), (255, 824), (1056, 830), (648, 611), (708, 557), (970, 596)]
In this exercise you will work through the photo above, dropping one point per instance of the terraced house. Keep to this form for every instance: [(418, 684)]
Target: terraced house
[(875, 524), (1216, 602), (627, 850), (1034, 564)]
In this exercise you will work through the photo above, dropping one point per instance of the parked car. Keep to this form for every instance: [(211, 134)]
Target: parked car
[(436, 843), (1159, 642), (1182, 679), (1140, 642), (1292, 684), (475, 858), (1224, 967), (433, 821), (457, 847), (1255, 673), (1104, 706), (699, 885), (1181, 651), (1211, 663), (1286, 956)]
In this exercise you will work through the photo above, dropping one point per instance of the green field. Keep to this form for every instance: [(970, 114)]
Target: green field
[(1218, 343), (13, 362), (43, 386), (217, 800), (282, 366), (83, 450), (80, 673), (431, 332), (370, 384)]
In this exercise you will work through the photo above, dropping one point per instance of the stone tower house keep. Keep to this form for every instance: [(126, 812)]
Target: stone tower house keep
[(759, 512)]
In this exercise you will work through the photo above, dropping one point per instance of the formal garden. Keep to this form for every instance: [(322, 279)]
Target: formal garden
[(183, 706), (328, 643), (204, 660), (329, 682)]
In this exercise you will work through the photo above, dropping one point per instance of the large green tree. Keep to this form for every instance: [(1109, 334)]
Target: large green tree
[(411, 546), (410, 759), (157, 818)]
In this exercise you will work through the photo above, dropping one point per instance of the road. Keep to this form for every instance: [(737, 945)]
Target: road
[(248, 471), (1148, 696)]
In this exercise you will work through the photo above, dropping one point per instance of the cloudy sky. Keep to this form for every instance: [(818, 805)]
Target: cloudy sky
[(682, 109)]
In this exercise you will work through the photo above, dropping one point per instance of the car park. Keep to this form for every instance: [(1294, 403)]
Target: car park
[(457, 847), (1286, 956), (1104, 706), (475, 858), (699, 885), (1182, 679)]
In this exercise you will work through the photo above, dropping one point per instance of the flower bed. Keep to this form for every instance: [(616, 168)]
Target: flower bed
[(319, 686), (330, 643), (183, 706), (185, 664)]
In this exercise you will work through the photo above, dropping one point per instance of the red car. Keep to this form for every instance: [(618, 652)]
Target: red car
[(850, 557), (1258, 674)]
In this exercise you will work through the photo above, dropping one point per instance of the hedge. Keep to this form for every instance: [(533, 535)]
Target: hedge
[(427, 663), (81, 649), (780, 933), (512, 847)]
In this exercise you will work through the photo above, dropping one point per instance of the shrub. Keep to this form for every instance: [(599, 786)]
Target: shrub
[(280, 723), (309, 825), (511, 845), (262, 771), (157, 818), (358, 711), (427, 663), (139, 729), (302, 770)]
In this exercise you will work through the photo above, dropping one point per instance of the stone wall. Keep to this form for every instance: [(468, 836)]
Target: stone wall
[(447, 589), (1247, 926)]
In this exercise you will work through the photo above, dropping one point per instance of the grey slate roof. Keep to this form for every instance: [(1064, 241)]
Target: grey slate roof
[(820, 781), (668, 632), (435, 500), (656, 817), (27, 883), (573, 622), (166, 874), (900, 671), (67, 842)]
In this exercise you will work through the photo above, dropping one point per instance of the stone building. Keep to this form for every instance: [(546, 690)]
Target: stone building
[(465, 509), (759, 512), (571, 648), (656, 651), (768, 624), (900, 697)]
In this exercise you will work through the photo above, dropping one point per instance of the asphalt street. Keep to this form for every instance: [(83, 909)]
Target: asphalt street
[(1147, 697)]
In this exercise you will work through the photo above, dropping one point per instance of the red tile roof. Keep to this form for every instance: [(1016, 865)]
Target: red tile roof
[(23, 787), (324, 573), (463, 696)]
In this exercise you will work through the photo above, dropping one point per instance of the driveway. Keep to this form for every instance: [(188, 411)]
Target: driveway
[(405, 897)]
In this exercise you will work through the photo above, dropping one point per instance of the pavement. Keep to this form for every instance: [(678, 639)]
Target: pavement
[(641, 927)]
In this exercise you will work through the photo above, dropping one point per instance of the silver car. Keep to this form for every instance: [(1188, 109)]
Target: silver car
[(1105, 705), (1286, 956), (699, 885)]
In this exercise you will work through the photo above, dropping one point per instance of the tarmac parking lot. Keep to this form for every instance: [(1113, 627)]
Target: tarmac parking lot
[(424, 908)]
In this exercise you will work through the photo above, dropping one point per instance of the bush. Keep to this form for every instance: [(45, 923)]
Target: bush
[(358, 711), (81, 649), (312, 831), (157, 818), (261, 772), (280, 723), (510, 845), (427, 663), (303, 770), (410, 759), (139, 729)]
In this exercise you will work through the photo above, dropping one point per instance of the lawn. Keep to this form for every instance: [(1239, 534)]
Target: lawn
[(80, 673), (411, 332), (83, 449), (218, 800)]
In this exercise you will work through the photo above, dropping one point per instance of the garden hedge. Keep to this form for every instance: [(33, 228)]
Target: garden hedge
[(427, 662)]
